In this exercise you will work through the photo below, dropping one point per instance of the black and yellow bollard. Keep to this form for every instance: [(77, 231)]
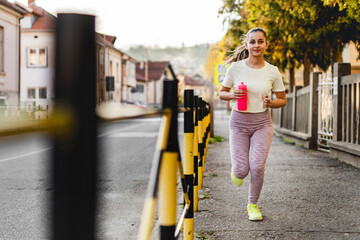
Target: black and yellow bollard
[(200, 143), (204, 133), (168, 168), (150, 202), (189, 161), (207, 131), (196, 155), (75, 145)]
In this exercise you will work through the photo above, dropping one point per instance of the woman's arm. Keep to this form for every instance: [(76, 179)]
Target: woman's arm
[(278, 103), (225, 94)]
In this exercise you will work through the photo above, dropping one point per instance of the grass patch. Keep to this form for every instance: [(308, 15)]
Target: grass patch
[(299, 145), (215, 139), (213, 175), (206, 196), (288, 141), (201, 237), (347, 165)]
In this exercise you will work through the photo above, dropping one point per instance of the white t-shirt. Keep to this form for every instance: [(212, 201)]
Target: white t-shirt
[(259, 83)]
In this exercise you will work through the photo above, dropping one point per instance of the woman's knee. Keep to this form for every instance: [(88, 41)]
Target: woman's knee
[(257, 170), (240, 172)]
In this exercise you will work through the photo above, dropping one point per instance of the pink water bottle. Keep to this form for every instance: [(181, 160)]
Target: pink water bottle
[(242, 103)]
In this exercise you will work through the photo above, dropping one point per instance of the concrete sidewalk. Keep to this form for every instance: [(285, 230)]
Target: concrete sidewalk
[(306, 195)]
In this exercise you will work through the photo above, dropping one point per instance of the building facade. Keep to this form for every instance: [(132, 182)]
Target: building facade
[(10, 16), (37, 56), (150, 77), (115, 71)]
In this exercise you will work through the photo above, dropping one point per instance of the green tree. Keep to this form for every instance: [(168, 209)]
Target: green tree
[(308, 32)]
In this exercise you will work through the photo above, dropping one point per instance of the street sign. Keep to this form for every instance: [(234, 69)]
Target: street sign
[(220, 70)]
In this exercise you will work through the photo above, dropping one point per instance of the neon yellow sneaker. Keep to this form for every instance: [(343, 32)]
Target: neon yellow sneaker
[(254, 212), (236, 181)]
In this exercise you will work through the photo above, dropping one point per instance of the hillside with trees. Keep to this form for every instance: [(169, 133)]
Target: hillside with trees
[(186, 60)]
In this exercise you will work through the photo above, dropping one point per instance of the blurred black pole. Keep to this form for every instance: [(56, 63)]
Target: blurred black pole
[(74, 164)]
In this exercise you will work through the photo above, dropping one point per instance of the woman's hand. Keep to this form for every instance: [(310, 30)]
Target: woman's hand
[(280, 100), (267, 101), (239, 94), (226, 95)]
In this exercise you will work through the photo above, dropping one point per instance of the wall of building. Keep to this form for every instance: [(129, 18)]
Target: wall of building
[(114, 69), (9, 78), (139, 96), (350, 55), (37, 76)]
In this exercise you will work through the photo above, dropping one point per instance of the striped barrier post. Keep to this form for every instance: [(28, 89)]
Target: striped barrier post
[(205, 119), (147, 218), (189, 161), (207, 133), (168, 168), (203, 136), (200, 143), (196, 155)]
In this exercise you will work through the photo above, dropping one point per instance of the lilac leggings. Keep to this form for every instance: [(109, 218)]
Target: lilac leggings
[(250, 139)]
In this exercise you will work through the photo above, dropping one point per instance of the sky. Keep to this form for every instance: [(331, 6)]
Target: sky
[(150, 23)]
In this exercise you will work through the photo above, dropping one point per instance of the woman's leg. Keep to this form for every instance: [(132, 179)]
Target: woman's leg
[(239, 140), (260, 146)]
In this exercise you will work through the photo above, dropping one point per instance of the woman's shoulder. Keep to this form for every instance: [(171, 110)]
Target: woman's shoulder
[(271, 67), (237, 64)]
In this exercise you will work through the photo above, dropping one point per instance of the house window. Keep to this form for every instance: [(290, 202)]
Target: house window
[(1, 49), (42, 93), (37, 57), (139, 88), (31, 93)]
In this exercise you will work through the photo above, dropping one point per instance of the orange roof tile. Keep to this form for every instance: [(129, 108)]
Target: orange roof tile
[(45, 20), (193, 82), (155, 70)]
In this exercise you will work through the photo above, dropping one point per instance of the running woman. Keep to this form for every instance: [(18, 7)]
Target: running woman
[(251, 131)]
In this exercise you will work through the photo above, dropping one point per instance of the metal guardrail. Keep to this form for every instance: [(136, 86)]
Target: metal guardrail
[(23, 113), (163, 173), (21, 119), (74, 156)]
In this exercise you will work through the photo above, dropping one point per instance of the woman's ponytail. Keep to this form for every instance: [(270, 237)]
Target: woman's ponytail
[(238, 54)]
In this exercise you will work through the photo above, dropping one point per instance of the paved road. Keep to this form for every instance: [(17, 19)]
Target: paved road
[(126, 154), (24, 186)]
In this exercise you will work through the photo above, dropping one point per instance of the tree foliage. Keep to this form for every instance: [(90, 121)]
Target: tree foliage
[(300, 32)]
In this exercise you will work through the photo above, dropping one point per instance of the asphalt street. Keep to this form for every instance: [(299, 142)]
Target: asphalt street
[(126, 151)]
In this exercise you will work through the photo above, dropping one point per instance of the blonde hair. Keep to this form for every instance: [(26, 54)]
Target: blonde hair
[(241, 52)]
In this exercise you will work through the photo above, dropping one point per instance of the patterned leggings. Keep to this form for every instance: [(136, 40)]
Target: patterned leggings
[(250, 139)]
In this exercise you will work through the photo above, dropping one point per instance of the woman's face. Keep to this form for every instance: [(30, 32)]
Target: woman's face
[(256, 44)]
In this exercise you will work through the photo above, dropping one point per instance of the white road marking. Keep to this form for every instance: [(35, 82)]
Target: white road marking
[(113, 134), (121, 130), (24, 155), (134, 135)]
